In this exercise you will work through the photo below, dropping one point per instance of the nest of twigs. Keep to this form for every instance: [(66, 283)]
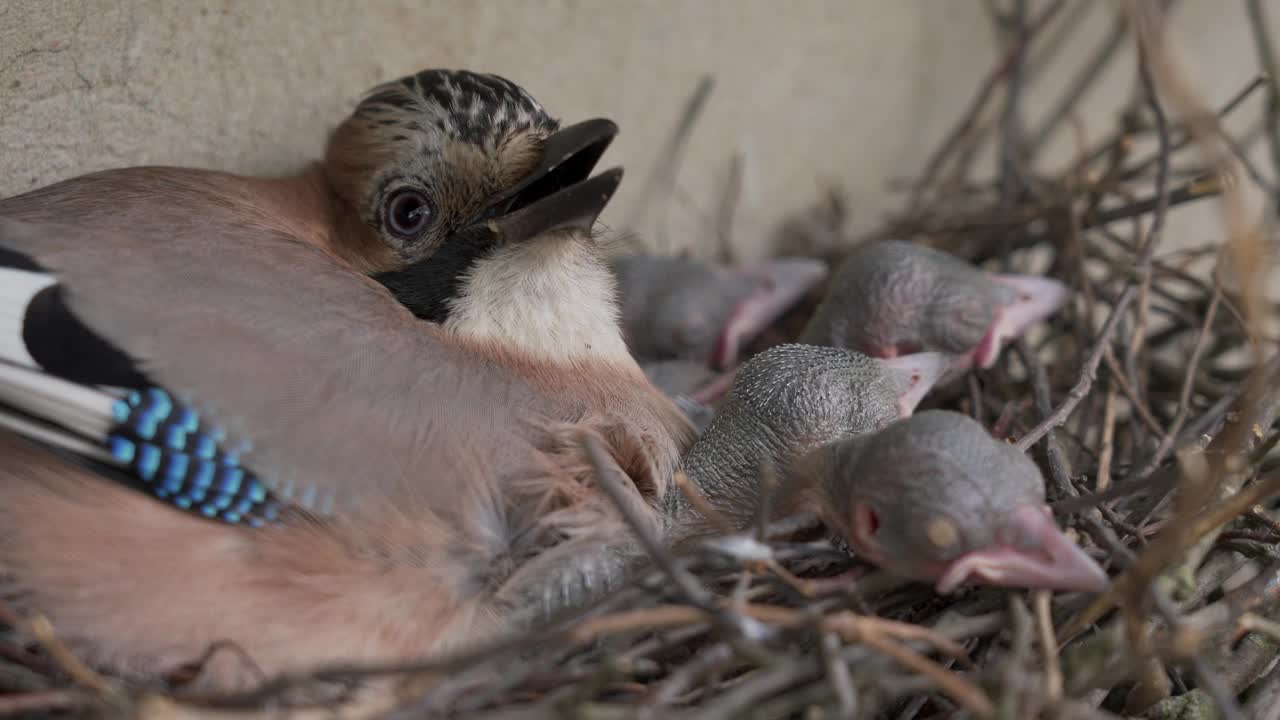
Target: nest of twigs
[(1150, 404)]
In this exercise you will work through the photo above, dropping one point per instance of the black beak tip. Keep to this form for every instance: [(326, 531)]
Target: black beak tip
[(601, 127), (608, 182), (569, 156), (575, 207)]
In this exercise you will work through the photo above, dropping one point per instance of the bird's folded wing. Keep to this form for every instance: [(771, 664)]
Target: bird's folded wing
[(230, 366)]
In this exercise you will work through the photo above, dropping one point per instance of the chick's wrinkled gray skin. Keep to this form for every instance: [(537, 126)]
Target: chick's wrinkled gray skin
[(676, 308), (786, 401), (891, 298), (935, 497)]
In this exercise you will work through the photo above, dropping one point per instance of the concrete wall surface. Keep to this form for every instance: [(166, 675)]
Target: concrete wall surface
[(811, 91)]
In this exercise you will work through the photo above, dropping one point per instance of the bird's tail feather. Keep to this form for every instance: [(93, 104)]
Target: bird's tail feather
[(87, 412), (17, 288), (52, 435)]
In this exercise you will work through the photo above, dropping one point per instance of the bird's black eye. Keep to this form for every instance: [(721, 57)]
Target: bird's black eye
[(406, 213)]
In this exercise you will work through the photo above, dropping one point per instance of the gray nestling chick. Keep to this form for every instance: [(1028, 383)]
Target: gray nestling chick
[(936, 498), (893, 298), (681, 309), (785, 402)]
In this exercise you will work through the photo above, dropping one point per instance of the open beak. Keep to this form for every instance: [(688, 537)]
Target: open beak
[(1043, 558), (1036, 299), (777, 285), (559, 193), (922, 371)]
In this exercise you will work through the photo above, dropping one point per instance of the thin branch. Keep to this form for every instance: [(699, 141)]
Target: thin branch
[(727, 209), (1089, 74), (42, 702), (1090, 371), (662, 180), (1160, 553), (1185, 137), (1011, 130), (954, 139), (1048, 647), (653, 546), (1271, 66), (1168, 441)]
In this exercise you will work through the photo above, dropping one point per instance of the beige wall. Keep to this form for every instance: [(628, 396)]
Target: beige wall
[(856, 91)]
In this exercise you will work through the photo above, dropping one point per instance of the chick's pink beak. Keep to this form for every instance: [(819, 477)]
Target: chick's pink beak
[(923, 371), (1037, 298), (779, 284), (1043, 558)]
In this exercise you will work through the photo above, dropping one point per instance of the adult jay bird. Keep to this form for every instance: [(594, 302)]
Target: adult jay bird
[(326, 417)]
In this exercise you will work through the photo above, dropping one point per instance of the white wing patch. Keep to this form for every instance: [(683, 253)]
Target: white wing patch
[(17, 288)]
